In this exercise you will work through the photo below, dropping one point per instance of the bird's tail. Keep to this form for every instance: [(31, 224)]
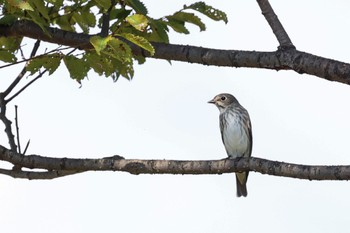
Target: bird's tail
[(241, 183)]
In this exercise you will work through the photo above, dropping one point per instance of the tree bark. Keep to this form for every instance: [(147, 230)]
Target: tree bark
[(58, 167), (282, 59)]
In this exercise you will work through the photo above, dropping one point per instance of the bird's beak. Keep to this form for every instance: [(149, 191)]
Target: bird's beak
[(211, 101)]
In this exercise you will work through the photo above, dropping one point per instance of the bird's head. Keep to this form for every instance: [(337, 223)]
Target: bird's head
[(223, 100)]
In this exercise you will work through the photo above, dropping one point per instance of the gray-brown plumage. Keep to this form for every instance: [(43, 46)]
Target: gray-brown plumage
[(236, 133)]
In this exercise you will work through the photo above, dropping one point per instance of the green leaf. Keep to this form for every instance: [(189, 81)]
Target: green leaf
[(138, 6), (21, 4), (139, 41), (99, 42), (39, 5), (121, 50), (63, 23), (78, 68), (34, 65), (7, 56), (35, 16), (57, 3), (140, 59), (121, 13), (113, 61), (8, 20), (89, 18), (178, 26), (98, 63), (109, 66), (138, 21), (159, 31), (127, 71), (209, 11), (53, 63), (189, 18), (104, 5), (79, 19), (50, 62), (10, 44)]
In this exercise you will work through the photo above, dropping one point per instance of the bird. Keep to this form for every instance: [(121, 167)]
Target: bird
[(236, 133)]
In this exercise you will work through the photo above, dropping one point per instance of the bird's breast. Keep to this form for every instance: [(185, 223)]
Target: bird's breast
[(235, 137)]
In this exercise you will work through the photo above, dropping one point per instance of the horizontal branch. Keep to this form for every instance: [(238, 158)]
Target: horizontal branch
[(290, 59), (36, 175), (66, 166)]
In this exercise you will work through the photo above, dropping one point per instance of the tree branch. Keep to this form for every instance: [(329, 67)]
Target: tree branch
[(26, 86), (36, 175), (22, 73), (3, 101), (275, 24), (298, 61), (28, 59), (136, 166), (25, 149), (7, 123), (17, 130), (106, 19)]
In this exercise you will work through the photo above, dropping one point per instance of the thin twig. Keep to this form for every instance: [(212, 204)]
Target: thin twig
[(25, 149), (22, 54), (24, 70), (72, 51), (17, 130), (275, 24), (27, 85), (41, 55)]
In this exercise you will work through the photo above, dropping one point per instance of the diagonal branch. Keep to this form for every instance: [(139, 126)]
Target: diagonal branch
[(22, 73), (136, 166), (7, 123), (26, 86), (3, 102), (275, 24)]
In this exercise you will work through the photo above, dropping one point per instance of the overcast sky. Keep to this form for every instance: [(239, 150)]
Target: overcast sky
[(163, 114)]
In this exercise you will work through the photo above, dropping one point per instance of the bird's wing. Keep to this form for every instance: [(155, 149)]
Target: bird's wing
[(222, 125), (246, 120), (250, 136)]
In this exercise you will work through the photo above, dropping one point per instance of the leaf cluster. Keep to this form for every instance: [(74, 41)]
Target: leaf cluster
[(112, 24)]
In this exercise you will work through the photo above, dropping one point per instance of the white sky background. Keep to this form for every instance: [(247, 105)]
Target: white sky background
[(163, 114)]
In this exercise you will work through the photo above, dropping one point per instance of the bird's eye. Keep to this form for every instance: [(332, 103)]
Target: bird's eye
[(223, 98)]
